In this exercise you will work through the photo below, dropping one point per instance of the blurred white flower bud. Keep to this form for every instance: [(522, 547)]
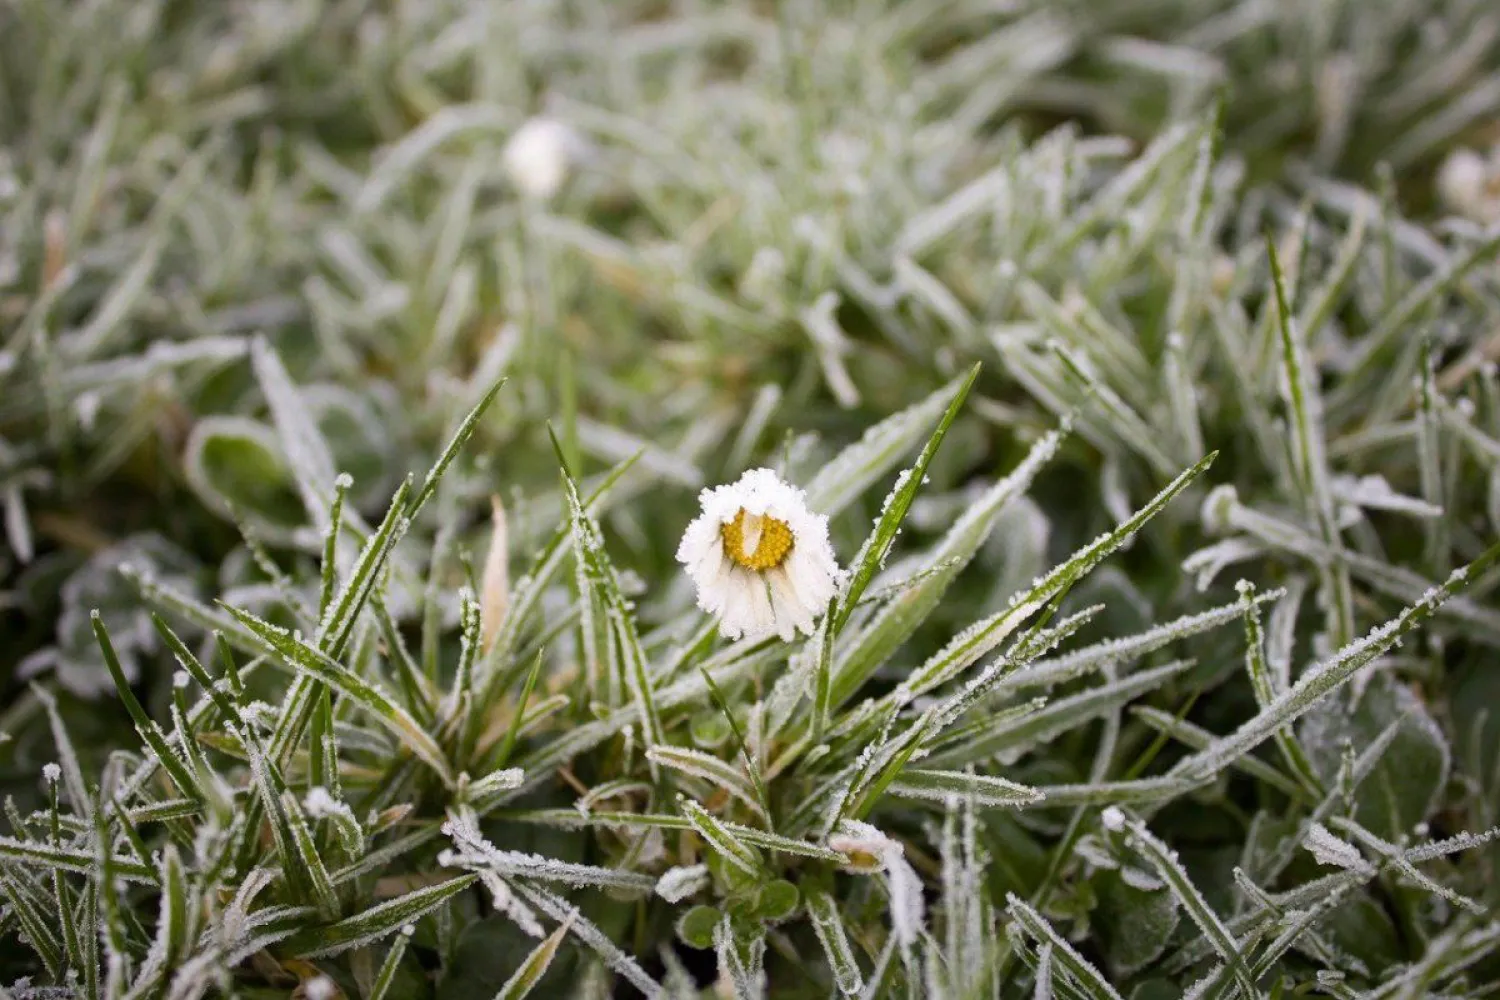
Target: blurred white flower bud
[(539, 156), (1469, 184)]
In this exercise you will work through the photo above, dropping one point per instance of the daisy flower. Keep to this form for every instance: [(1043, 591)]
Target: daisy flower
[(760, 558)]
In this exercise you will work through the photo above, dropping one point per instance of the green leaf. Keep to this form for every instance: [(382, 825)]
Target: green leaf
[(377, 922), (721, 839), (1134, 925), (1321, 679), (696, 928), (318, 666), (1064, 955), (777, 900), (534, 968), (986, 790), (1016, 735), (307, 453), (235, 467), (460, 437), (972, 643), (1164, 860), (896, 621), (589, 549), (389, 968), (877, 546), (1306, 405), (40, 855), (149, 731), (1405, 785), (719, 774), (824, 914), (852, 471)]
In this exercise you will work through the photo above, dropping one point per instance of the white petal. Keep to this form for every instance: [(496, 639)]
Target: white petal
[(792, 614)]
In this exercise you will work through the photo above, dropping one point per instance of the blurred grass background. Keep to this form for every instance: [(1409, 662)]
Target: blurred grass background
[(781, 222)]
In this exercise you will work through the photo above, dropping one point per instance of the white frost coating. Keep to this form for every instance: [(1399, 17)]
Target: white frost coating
[(476, 854), (869, 850), (1043, 989), (865, 847), (1458, 842), (321, 988), (497, 781), (52, 772), (539, 156), (320, 804), (908, 909), (781, 599), (508, 903), (1113, 819), (677, 884), (589, 933), (180, 679), (1374, 493), (1330, 850)]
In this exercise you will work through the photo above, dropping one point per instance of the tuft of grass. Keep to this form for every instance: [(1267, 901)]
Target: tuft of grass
[(1153, 406)]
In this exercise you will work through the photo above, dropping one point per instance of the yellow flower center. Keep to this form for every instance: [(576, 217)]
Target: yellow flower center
[(757, 542)]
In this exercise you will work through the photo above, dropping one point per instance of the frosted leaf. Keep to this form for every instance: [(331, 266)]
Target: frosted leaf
[(1458, 842), (907, 904), (1374, 493), (302, 442), (590, 934), (677, 884), (1207, 563), (1330, 850), (1218, 509), (744, 973), (1138, 879), (477, 854), (508, 903)]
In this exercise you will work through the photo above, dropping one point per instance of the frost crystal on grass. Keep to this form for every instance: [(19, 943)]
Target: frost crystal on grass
[(251, 253), (677, 884), (1113, 819)]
